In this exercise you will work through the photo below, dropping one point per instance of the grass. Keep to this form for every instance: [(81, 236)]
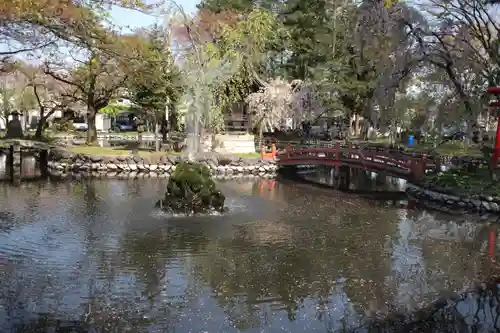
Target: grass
[(450, 148), (44, 138), (31, 137), (124, 150), (83, 135), (462, 181), (106, 151), (131, 134)]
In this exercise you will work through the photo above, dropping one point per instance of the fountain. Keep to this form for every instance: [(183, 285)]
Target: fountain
[(191, 190), (192, 126)]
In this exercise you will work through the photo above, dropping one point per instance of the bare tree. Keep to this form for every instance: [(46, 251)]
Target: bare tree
[(100, 73), (471, 30), (462, 41), (51, 95)]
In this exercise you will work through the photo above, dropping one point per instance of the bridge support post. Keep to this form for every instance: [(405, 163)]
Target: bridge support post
[(344, 177), (288, 149), (337, 151), (16, 165), (437, 164), (418, 170)]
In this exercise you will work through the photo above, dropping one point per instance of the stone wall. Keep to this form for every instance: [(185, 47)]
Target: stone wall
[(438, 199), (62, 163)]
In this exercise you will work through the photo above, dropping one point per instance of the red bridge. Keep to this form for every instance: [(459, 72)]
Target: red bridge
[(376, 159)]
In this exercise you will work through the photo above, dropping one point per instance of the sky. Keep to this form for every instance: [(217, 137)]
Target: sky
[(128, 20), (133, 19)]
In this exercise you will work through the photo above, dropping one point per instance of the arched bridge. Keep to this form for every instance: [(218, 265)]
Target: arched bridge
[(377, 159)]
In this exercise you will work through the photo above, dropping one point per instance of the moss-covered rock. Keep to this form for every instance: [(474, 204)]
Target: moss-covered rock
[(191, 190)]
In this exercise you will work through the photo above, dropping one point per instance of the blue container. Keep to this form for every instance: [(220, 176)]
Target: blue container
[(411, 140)]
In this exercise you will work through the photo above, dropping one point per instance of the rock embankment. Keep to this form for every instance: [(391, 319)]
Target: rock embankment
[(439, 199), (63, 163)]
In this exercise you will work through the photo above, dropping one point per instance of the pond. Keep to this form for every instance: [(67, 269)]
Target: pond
[(94, 256)]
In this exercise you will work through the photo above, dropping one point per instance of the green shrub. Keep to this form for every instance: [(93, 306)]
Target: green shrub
[(63, 125)]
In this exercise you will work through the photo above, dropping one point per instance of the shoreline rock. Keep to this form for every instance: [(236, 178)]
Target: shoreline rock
[(436, 199), (63, 164)]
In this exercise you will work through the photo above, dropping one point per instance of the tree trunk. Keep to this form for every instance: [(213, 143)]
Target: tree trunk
[(259, 130), (157, 135), (354, 129), (173, 120), (25, 120), (357, 125), (41, 123), (39, 127), (92, 130), (464, 98)]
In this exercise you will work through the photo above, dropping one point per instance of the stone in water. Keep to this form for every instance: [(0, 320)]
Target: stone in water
[(191, 190)]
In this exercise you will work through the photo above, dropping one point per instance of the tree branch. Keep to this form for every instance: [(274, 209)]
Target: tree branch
[(63, 80)]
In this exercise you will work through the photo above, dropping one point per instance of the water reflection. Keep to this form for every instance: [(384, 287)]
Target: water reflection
[(30, 167), (357, 179), (92, 256)]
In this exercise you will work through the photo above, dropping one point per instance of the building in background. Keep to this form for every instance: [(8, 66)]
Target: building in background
[(237, 119)]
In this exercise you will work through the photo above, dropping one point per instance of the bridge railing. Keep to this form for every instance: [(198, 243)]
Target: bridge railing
[(372, 158)]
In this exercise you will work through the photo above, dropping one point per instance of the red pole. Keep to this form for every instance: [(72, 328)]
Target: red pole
[(496, 152), (491, 250)]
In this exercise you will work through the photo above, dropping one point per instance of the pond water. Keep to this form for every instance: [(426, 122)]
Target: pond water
[(94, 256)]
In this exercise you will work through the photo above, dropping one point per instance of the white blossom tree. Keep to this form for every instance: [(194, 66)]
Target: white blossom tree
[(271, 104), (307, 102), (279, 99)]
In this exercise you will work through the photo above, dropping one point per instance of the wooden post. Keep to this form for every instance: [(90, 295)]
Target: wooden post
[(437, 164), (16, 163), (262, 152), (344, 177), (9, 162), (417, 169), (273, 150), (288, 149), (337, 151), (44, 163)]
